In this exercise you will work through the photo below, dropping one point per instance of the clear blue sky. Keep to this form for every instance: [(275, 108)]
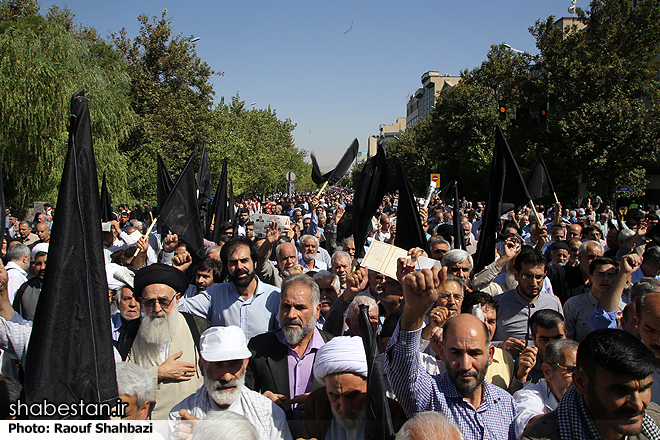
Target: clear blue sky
[(337, 69)]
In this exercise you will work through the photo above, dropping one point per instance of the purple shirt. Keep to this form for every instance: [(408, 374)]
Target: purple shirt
[(300, 369)]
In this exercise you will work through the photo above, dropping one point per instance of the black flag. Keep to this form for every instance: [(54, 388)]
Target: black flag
[(539, 183), (317, 177), (409, 230), (180, 213), (231, 208), (106, 204), (70, 357), (507, 192), (205, 188), (164, 184), (369, 193), (220, 208), (340, 170), (450, 192), (378, 418)]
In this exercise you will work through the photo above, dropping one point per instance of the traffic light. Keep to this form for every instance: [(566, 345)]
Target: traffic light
[(501, 109), (543, 113)]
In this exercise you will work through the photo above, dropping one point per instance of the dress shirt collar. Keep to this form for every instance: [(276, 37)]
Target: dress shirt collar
[(315, 343), (450, 391)]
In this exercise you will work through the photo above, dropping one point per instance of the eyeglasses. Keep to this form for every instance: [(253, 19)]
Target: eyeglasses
[(151, 302), (529, 276), (570, 369), (457, 297)]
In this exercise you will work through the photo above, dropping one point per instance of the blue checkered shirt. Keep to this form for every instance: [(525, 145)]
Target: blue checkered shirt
[(418, 391)]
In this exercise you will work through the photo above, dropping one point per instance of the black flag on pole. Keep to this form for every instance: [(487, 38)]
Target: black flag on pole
[(2, 204), (409, 230), (450, 192), (507, 192), (180, 213), (539, 183), (205, 188), (369, 193), (106, 203), (164, 184), (231, 208), (378, 418), (70, 357), (340, 170), (219, 208)]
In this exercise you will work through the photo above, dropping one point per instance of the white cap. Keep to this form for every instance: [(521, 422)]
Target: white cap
[(41, 247), (118, 276), (223, 344)]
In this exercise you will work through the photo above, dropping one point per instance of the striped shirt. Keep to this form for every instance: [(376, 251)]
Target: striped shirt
[(418, 391)]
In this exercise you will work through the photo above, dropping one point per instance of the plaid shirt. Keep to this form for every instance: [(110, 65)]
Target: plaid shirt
[(417, 391)]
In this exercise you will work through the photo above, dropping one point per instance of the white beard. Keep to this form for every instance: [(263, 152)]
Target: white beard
[(294, 335), (157, 330), (351, 426), (220, 397)]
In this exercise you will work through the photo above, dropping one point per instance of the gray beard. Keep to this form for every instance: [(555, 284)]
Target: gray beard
[(350, 425), (159, 330), (224, 398), (294, 335)]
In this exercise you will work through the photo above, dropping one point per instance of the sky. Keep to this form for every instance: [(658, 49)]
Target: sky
[(337, 69)]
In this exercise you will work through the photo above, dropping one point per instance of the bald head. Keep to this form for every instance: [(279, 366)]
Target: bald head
[(466, 325)]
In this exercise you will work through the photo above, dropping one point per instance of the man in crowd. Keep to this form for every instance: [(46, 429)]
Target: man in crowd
[(341, 266), (543, 397), (517, 306), (295, 344), (224, 358), (338, 410), (43, 231), (25, 232), (439, 247), (611, 393), (27, 296), (244, 301), (481, 410), (579, 309), (208, 273), (164, 343), (309, 247), (134, 386), (18, 262), (330, 290)]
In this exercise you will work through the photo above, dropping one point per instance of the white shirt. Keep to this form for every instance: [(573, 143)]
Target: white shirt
[(17, 276), (534, 399), (268, 418)]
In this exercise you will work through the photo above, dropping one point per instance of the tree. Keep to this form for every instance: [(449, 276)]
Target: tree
[(260, 148), (604, 92), (171, 95), (44, 63)]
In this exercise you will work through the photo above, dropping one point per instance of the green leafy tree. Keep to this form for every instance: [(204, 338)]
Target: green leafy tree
[(43, 63), (171, 95)]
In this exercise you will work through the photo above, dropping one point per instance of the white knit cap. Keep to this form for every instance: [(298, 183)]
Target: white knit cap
[(344, 354)]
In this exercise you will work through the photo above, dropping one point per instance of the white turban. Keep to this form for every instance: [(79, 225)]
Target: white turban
[(343, 354)]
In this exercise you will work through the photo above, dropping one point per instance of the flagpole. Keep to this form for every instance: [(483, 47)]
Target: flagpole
[(539, 220), (137, 251), (322, 188)]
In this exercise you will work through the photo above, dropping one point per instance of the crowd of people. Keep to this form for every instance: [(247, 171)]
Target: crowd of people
[(558, 337)]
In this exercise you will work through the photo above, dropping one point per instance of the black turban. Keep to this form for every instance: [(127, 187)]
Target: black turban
[(160, 274)]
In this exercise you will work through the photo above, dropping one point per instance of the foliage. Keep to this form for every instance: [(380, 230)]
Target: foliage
[(43, 64), (259, 147)]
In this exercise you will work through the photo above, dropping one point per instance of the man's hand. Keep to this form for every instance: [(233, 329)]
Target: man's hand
[(420, 290), (187, 424), (170, 243), (437, 318), (526, 362), (436, 343), (512, 346), (630, 263), (115, 224), (417, 252), (301, 400), (272, 233), (511, 249), (182, 261), (174, 370), (356, 282), (279, 399)]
